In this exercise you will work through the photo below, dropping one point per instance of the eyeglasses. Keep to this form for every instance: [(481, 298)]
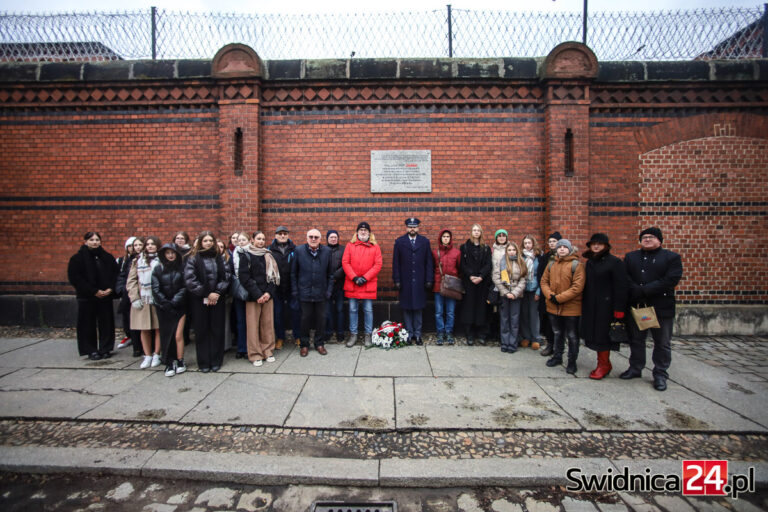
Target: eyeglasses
[(648, 237), (313, 237)]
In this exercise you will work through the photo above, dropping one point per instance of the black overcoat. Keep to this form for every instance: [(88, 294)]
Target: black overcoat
[(412, 268), (92, 270), (475, 261), (605, 291), (311, 276), (653, 276)]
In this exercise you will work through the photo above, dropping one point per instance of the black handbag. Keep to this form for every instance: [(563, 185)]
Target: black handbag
[(618, 332), (494, 297)]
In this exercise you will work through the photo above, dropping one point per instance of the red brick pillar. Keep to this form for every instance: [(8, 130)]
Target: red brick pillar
[(238, 70), (567, 72)]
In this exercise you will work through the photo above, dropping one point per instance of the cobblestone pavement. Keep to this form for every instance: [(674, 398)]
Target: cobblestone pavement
[(745, 355), (353, 444), (110, 493)]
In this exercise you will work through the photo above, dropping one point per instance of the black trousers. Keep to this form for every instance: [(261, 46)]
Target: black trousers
[(208, 323), (662, 346), (95, 317), (313, 317), (565, 328)]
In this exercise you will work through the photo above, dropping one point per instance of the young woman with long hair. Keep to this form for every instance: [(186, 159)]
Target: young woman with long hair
[(529, 308), (143, 312), (238, 306), (124, 307), (476, 269), (509, 277), (207, 276), (93, 273), (447, 262), (170, 295)]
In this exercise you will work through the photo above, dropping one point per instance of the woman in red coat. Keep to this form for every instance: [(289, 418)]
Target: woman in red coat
[(447, 261), (361, 263)]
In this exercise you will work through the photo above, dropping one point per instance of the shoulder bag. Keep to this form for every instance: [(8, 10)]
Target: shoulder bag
[(450, 286)]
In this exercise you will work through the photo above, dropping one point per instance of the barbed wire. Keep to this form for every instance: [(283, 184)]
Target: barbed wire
[(727, 33)]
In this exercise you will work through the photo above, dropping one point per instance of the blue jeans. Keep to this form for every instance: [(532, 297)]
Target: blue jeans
[(334, 314), (529, 317), (281, 304), (367, 315), (242, 340), (445, 308)]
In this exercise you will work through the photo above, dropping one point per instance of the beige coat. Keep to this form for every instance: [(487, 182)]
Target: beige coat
[(516, 286), (145, 318)]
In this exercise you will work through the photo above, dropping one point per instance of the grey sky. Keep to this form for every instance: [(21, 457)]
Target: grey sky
[(307, 6)]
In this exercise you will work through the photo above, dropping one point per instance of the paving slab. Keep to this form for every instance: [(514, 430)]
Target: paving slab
[(340, 361), (57, 353), (9, 344), (249, 399), (261, 469), (727, 389), (408, 361), (484, 472), (51, 393), (632, 405), (45, 459), (159, 398), (364, 403), (478, 403), (478, 361)]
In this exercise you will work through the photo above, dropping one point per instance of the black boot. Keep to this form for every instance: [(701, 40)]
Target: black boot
[(555, 361), (547, 350), (573, 354)]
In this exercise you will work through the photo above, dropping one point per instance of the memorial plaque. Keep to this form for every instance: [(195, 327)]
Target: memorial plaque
[(401, 171)]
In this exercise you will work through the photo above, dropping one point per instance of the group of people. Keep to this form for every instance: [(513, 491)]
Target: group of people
[(550, 298)]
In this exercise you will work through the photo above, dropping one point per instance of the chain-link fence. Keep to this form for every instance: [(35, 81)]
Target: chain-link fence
[(729, 33)]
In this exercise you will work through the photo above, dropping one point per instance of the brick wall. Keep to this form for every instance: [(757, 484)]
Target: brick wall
[(147, 157)]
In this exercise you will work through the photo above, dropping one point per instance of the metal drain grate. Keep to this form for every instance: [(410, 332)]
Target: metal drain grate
[(343, 506)]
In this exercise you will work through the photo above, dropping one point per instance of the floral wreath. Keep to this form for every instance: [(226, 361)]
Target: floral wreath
[(390, 335)]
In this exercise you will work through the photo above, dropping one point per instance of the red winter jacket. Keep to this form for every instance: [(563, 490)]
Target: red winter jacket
[(361, 259), (451, 259)]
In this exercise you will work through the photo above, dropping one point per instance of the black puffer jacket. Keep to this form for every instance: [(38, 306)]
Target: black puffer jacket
[(168, 288), (124, 266), (92, 270), (205, 273)]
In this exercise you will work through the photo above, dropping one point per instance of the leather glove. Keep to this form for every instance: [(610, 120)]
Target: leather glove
[(618, 315), (137, 304), (360, 281), (397, 286), (553, 299), (428, 285)]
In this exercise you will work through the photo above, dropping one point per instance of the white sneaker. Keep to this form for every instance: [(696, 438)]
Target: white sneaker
[(170, 370), (155, 360), (124, 343), (271, 359), (180, 366), (145, 362), (258, 362)]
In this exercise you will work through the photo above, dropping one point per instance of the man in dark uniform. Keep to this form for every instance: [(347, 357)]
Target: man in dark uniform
[(412, 272), (653, 274)]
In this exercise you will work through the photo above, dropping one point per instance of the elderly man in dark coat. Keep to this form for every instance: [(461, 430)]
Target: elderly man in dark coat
[(312, 285), (412, 272), (653, 274)]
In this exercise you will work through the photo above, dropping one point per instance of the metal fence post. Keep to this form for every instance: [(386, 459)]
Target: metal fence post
[(584, 24), (765, 31), (450, 32), (154, 33)]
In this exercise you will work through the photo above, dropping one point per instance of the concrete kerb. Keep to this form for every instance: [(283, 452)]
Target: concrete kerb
[(276, 470)]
